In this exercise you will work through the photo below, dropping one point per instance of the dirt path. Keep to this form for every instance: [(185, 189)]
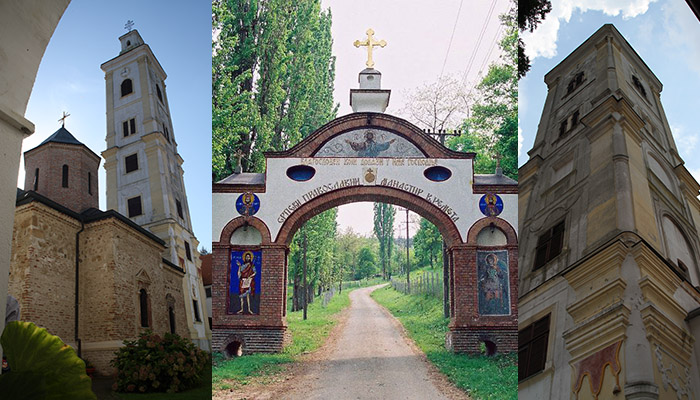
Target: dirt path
[(366, 357)]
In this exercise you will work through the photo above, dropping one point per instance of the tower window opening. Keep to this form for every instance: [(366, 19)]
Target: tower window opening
[(127, 87), (549, 245), (36, 179), (196, 311), (188, 252), (131, 163), (158, 92), (178, 204), (640, 87), (134, 206), (89, 183)]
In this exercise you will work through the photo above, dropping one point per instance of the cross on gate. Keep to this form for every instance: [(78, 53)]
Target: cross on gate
[(497, 157), (370, 43), (129, 24), (62, 120), (239, 166)]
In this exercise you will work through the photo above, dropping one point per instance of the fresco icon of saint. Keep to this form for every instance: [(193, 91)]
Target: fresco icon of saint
[(247, 204), (491, 204), (492, 269), (244, 292)]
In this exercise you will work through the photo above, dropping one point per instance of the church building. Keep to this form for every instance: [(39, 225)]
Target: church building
[(609, 283), (91, 277), (95, 278)]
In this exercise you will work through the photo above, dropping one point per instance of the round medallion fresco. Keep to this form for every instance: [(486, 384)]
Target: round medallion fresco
[(491, 204), (248, 204)]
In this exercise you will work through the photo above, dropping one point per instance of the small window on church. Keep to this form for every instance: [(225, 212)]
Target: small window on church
[(532, 348), (640, 87), (549, 245), (36, 179), (143, 303), (127, 87), (574, 83), (562, 128), (134, 205), (64, 181), (160, 95), (167, 133), (132, 163), (171, 318), (188, 252), (179, 208), (89, 183), (129, 127), (196, 311)]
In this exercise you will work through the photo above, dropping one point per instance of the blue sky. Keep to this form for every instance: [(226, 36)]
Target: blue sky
[(665, 34), (70, 79)]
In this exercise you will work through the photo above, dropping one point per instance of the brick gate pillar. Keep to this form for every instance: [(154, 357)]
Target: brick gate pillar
[(262, 333), (468, 328)]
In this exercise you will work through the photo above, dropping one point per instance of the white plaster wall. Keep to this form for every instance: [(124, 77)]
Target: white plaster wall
[(282, 191)]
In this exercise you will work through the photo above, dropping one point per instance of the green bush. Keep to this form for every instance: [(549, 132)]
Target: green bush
[(154, 364)]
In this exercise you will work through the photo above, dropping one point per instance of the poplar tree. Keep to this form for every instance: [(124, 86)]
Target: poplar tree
[(384, 231)]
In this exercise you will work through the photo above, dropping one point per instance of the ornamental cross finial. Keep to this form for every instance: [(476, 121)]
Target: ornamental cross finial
[(370, 43), (63, 119), (129, 24), (239, 167), (498, 158)]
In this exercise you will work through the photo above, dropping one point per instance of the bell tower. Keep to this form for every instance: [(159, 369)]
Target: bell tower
[(144, 170)]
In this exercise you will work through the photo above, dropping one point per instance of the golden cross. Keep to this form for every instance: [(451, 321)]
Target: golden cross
[(370, 43), (63, 119)]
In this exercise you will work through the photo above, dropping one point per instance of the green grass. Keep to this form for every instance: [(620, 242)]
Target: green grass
[(199, 393), (481, 377), (307, 336)]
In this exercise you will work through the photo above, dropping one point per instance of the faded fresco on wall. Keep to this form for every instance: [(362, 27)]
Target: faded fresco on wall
[(493, 287), (244, 292), (369, 143)]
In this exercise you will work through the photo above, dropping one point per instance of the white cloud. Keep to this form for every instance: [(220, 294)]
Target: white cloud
[(681, 25), (520, 138), (685, 141), (543, 41)]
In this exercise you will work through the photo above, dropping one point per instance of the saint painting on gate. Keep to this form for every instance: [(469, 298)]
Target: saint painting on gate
[(244, 292), (493, 282), (369, 148)]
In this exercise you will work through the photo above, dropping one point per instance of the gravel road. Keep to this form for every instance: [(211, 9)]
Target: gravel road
[(369, 360)]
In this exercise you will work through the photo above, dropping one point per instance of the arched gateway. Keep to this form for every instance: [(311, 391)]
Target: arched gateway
[(364, 156)]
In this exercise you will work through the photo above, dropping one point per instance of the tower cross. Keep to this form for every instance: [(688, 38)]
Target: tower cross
[(129, 24), (370, 43), (63, 119)]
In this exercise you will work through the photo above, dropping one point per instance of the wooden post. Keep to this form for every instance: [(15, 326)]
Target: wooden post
[(306, 288)]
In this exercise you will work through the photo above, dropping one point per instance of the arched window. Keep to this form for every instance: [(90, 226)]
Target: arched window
[(143, 302), (171, 317), (170, 301), (158, 92), (65, 176), (127, 87), (36, 179)]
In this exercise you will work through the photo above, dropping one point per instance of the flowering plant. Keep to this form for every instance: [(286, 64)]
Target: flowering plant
[(158, 364)]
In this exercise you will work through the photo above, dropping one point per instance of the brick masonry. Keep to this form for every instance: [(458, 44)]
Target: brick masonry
[(49, 158), (115, 262)]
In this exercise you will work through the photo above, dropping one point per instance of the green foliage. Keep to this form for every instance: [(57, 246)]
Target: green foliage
[(322, 270), (428, 245), (272, 78), (307, 336), (384, 231), (530, 14), (492, 127), (201, 392), (159, 364), (366, 263), (41, 366), (481, 377)]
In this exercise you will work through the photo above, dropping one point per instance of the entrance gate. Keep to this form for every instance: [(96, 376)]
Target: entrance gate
[(364, 156)]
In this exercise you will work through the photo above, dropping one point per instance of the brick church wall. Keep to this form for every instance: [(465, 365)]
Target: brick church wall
[(113, 259), (42, 268)]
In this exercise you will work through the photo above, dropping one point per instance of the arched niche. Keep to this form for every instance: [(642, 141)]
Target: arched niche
[(491, 236), (678, 248), (246, 235)]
